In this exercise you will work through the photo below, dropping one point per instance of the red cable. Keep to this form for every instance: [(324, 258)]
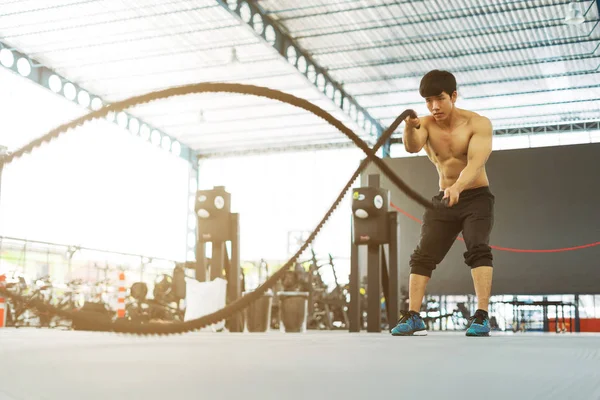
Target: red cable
[(508, 248)]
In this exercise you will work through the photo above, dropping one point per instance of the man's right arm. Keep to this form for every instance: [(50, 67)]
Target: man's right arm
[(414, 139)]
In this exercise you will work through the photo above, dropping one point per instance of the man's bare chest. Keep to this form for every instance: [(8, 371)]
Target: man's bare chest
[(445, 144)]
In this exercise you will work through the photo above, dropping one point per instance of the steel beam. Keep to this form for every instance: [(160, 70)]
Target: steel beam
[(417, 19), (499, 81), (470, 68), (42, 76), (192, 220), (494, 108), (264, 27), (415, 90), (361, 7), (278, 149), (526, 130), (464, 53), (394, 42), (583, 126), (492, 95), (420, 18)]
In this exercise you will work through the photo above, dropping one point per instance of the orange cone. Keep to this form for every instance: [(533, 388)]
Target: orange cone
[(122, 292), (2, 305), (2, 313)]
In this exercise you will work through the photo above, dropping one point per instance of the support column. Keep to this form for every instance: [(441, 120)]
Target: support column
[(393, 273), (236, 322), (577, 319), (545, 314), (386, 148), (374, 288), (373, 276), (354, 314), (201, 270), (194, 250), (217, 261)]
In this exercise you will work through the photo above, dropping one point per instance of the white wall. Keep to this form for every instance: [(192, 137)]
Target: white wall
[(97, 186), (278, 193)]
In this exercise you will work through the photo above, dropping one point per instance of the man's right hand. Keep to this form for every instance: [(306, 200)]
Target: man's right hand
[(412, 122), (414, 138)]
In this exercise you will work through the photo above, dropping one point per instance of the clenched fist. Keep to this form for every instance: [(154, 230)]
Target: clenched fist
[(412, 121), (451, 196)]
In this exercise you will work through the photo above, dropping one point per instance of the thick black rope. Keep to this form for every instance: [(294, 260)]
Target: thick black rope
[(245, 301)]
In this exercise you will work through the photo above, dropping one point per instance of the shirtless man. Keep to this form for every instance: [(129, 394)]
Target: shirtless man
[(458, 142)]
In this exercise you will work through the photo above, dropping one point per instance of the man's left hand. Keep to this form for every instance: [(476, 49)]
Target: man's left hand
[(452, 194)]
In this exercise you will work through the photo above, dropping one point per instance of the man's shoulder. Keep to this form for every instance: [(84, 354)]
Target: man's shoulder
[(478, 121), (427, 120), (473, 116)]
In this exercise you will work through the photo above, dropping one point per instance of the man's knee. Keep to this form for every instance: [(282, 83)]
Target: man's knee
[(421, 264), (479, 256)]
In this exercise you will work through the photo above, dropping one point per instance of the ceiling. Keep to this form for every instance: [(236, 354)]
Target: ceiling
[(516, 62)]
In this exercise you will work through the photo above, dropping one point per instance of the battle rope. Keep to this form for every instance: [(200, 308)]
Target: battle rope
[(246, 300)]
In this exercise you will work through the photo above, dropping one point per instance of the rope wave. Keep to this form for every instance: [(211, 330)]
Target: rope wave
[(246, 300)]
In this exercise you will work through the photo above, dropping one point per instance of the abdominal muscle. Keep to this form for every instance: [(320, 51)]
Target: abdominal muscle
[(449, 171)]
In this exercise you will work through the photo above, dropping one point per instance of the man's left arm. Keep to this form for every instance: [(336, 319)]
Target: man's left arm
[(480, 148)]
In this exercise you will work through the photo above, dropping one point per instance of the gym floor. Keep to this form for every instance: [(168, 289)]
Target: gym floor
[(52, 364)]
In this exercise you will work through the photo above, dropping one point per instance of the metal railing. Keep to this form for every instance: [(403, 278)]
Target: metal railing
[(32, 259)]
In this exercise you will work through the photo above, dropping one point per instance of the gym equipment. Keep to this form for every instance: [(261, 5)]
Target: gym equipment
[(258, 314), (218, 226), (325, 309), (164, 305), (521, 323), (93, 312), (293, 310), (374, 226)]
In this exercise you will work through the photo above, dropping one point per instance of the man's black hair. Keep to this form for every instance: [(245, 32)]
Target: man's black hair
[(435, 82)]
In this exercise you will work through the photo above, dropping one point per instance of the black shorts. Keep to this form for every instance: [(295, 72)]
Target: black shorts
[(473, 215)]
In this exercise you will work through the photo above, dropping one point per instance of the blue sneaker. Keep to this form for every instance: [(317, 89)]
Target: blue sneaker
[(410, 324), (479, 324)]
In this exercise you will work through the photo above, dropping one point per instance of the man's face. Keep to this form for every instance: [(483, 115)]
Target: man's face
[(441, 106)]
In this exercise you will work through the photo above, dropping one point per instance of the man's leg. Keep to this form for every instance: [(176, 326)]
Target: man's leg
[(438, 233), (416, 291), (482, 280), (477, 226)]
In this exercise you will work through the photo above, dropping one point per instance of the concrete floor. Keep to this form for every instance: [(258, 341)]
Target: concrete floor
[(38, 364)]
